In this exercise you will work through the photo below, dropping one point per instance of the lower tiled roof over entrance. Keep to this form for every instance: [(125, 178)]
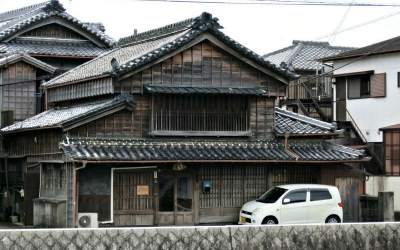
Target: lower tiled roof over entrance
[(130, 150)]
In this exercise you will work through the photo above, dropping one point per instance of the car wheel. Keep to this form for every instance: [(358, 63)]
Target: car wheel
[(332, 219), (269, 221)]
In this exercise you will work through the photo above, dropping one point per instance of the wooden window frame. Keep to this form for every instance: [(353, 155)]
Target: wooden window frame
[(201, 99)]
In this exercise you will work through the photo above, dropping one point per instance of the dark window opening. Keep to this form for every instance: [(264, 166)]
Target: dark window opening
[(320, 194), (359, 86)]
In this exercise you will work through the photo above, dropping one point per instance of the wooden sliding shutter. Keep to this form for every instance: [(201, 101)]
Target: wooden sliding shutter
[(378, 85)]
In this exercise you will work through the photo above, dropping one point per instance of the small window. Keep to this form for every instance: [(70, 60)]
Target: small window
[(398, 79), (297, 196), (320, 194)]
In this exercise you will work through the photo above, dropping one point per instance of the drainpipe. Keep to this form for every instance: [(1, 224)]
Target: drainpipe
[(74, 194), (286, 146), (7, 191)]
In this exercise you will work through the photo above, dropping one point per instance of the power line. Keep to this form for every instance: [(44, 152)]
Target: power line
[(360, 25), (272, 2), (340, 24)]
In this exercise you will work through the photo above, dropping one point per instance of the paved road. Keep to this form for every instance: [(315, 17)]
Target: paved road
[(7, 225)]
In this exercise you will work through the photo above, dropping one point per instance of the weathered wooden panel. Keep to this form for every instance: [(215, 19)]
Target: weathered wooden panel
[(348, 189), (96, 87), (124, 123), (95, 203), (34, 142), (203, 64), (232, 185), (19, 90), (262, 116), (53, 31), (132, 207)]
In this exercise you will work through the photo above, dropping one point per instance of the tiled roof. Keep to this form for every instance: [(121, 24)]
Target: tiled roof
[(145, 47), (302, 54), (92, 149), (204, 90), (102, 64), (387, 46), (295, 124), (58, 117), (84, 49), (24, 17), (13, 57)]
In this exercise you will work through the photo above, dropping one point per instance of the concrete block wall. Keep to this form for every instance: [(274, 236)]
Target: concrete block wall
[(340, 236)]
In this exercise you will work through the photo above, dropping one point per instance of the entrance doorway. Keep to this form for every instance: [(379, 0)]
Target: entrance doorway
[(176, 199)]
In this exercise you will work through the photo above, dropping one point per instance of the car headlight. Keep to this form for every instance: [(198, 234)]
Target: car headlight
[(256, 211)]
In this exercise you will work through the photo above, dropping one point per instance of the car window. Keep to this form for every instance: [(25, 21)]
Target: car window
[(296, 196), (320, 194), (272, 195)]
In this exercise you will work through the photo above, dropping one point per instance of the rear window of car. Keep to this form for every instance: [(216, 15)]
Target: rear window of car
[(320, 194)]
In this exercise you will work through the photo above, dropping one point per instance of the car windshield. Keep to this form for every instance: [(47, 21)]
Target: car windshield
[(272, 195)]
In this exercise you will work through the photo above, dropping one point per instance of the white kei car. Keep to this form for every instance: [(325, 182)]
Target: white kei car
[(294, 204)]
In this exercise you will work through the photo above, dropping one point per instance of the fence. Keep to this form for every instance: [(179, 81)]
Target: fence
[(336, 236)]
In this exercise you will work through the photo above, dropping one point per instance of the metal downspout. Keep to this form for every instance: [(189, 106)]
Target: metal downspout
[(286, 147)]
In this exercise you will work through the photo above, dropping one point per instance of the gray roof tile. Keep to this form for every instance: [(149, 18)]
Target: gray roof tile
[(148, 46), (113, 149), (171, 89), (57, 117), (293, 123), (302, 55), (102, 64), (24, 17), (84, 49), (12, 57)]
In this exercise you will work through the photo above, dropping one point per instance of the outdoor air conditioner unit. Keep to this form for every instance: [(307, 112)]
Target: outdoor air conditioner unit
[(87, 220)]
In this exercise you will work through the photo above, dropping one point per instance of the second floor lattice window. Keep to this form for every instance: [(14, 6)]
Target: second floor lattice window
[(200, 115)]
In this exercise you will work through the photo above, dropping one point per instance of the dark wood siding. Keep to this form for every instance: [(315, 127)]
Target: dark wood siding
[(262, 116), (202, 64), (96, 87), (55, 31), (124, 123), (21, 96), (235, 184), (34, 142)]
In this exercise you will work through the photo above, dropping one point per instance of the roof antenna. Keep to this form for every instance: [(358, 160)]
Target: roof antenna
[(114, 64)]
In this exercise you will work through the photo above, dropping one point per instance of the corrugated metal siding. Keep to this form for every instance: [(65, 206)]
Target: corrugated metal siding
[(74, 91), (378, 85)]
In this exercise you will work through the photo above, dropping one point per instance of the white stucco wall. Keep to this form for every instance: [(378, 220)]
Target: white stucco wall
[(377, 184), (371, 114)]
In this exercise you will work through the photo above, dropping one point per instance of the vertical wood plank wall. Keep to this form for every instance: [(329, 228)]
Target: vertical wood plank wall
[(124, 123), (235, 184), (19, 97), (34, 142), (202, 64), (54, 31), (130, 208)]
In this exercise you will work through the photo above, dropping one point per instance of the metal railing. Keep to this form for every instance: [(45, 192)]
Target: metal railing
[(200, 121), (346, 116), (302, 88)]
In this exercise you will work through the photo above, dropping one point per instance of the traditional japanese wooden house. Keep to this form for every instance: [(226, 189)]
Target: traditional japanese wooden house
[(37, 43), (178, 125)]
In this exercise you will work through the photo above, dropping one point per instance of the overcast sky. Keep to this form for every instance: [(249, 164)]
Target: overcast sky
[(262, 28)]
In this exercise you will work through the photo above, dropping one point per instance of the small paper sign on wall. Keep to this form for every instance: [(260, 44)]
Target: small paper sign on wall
[(142, 190)]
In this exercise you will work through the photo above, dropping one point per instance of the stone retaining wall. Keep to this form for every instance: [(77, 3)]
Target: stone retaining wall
[(344, 236)]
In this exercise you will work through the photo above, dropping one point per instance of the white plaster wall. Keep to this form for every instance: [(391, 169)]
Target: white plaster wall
[(371, 114), (377, 184)]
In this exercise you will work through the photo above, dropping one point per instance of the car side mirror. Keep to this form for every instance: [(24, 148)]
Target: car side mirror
[(285, 201)]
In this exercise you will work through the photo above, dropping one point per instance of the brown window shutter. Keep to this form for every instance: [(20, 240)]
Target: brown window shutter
[(378, 85)]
